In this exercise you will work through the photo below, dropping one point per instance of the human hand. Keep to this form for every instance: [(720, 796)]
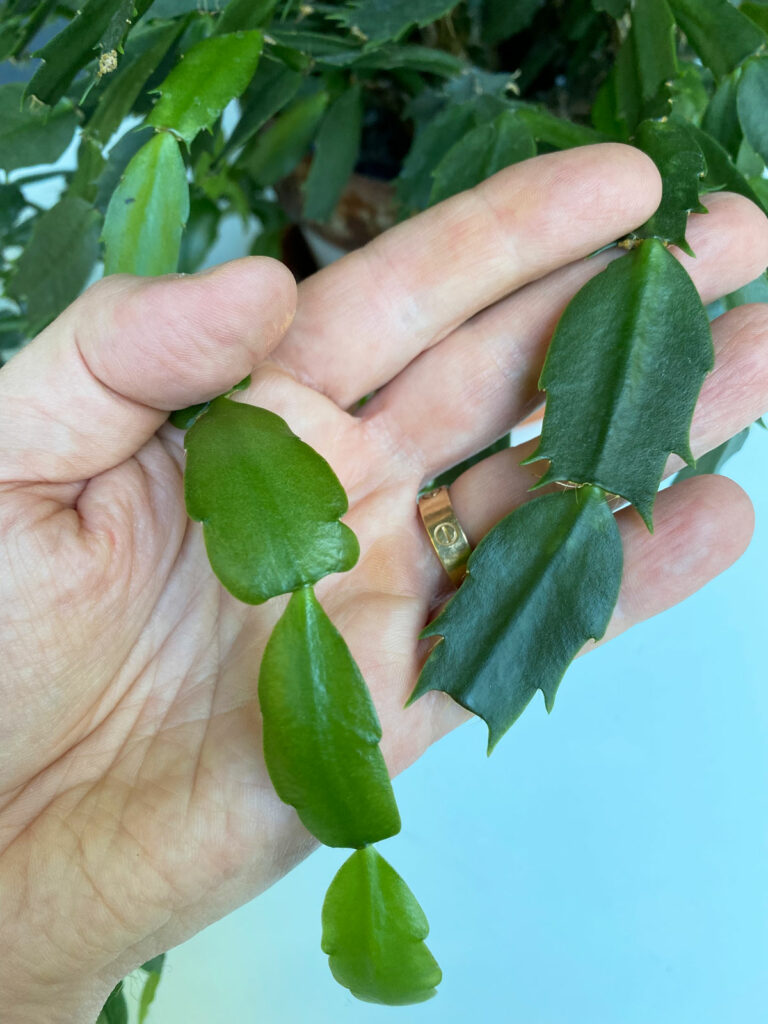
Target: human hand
[(135, 806)]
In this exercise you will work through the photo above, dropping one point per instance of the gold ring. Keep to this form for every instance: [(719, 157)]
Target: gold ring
[(445, 532)]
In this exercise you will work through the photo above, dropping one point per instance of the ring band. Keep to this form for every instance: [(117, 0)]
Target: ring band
[(445, 533)]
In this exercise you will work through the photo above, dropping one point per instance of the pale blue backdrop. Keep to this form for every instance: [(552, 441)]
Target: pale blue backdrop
[(607, 865)]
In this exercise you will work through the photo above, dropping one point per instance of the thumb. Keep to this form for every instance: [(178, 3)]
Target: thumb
[(90, 390)]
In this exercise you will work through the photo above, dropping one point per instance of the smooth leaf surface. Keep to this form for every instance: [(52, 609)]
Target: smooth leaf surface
[(622, 376), (58, 260), (539, 585), (721, 35), (380, 21), (274, 153), (148, 211), (753, 104), (374, 931), (269, 504), (210, 74), (681, 164), (336, 150), (321, 732), (31, 134), (482, 152)]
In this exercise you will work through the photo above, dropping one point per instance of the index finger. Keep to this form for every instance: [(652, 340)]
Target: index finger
[(363, 319)]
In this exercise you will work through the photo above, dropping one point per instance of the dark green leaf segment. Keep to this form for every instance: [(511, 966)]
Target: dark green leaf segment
[(540, 585), (622, 376), (270, 508)]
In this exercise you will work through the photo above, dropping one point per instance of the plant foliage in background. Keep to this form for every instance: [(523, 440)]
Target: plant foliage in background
[(339, 117)]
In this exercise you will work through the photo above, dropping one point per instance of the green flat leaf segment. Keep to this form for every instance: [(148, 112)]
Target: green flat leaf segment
[(115, 1010), (539, 585), (557, 131), (210, 74), (269, 504), (373, 933), (154, 969), (272, 86), (721, 35), (752, 103), (623, 373), (336, 151), (483, 151), (274, 153), (681, 164), (57, 261), (653, 37), (148, 211), (381, 21), (721, 119), (29, 133), (321, 731)]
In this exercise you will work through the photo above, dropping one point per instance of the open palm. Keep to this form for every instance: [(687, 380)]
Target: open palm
[(135, 806)]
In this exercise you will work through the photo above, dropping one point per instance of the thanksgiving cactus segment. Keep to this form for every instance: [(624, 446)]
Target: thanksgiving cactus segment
[(374, 932), (269, 504), (149, 209), (321, 732), (622, 376), (541, 584)]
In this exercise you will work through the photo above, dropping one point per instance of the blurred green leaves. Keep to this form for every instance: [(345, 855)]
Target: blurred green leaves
[(31, 134)]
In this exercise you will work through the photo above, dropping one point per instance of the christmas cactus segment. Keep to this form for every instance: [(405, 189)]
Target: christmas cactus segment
[(321, 732), (270, 508), (374, 932), (622, 376), (540, 585), (268, 531)]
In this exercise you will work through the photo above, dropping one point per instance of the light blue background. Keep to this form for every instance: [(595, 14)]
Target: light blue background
[(607, 865)]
